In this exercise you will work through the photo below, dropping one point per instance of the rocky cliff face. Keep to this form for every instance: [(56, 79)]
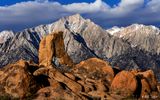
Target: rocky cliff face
[(93, 78)]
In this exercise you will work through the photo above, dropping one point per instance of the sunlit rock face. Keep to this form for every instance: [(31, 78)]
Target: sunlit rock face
[(52, 50)]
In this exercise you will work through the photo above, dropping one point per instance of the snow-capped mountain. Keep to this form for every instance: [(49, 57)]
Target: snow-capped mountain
[(123, 31), (135, 46), (138, 29), (141, 36)]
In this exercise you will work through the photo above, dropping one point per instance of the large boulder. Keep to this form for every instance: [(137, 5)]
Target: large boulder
[(52, 51), (16, 80), (124, 83), (95, 69)]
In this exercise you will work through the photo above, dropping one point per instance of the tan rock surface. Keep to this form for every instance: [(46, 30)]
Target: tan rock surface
[(56, 75), (150, 78), (124, 83), (50, 93), (16, 80), (146, 90), (95, 69), (74, 86), (52, 46)]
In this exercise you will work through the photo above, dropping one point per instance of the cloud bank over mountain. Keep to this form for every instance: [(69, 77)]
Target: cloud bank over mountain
[(31, 13)]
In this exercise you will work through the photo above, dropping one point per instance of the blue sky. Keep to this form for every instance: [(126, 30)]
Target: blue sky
[(11, 2), (19, 14)]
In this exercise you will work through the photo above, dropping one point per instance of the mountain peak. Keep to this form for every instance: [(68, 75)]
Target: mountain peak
[(76, 17), (75, 23)]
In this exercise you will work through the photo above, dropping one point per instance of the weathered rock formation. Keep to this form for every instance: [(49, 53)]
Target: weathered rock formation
[(52, 51), (94, 69)]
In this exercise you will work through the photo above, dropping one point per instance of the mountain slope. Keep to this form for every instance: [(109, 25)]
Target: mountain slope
[(83, 39), (142, 37)]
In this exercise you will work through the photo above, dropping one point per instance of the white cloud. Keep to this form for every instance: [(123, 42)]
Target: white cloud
[(96, 6), (154, 5), (27, 14), (127, 6)]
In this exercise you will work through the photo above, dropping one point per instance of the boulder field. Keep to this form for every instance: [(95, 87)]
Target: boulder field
[(57, 77)]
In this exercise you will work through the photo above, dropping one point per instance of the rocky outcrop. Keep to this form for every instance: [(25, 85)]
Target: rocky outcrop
[(24, 79), (52, 51), (94, 69)]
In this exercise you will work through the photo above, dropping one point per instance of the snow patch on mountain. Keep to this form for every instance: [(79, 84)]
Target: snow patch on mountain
[(4, 35), (114, 30)]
